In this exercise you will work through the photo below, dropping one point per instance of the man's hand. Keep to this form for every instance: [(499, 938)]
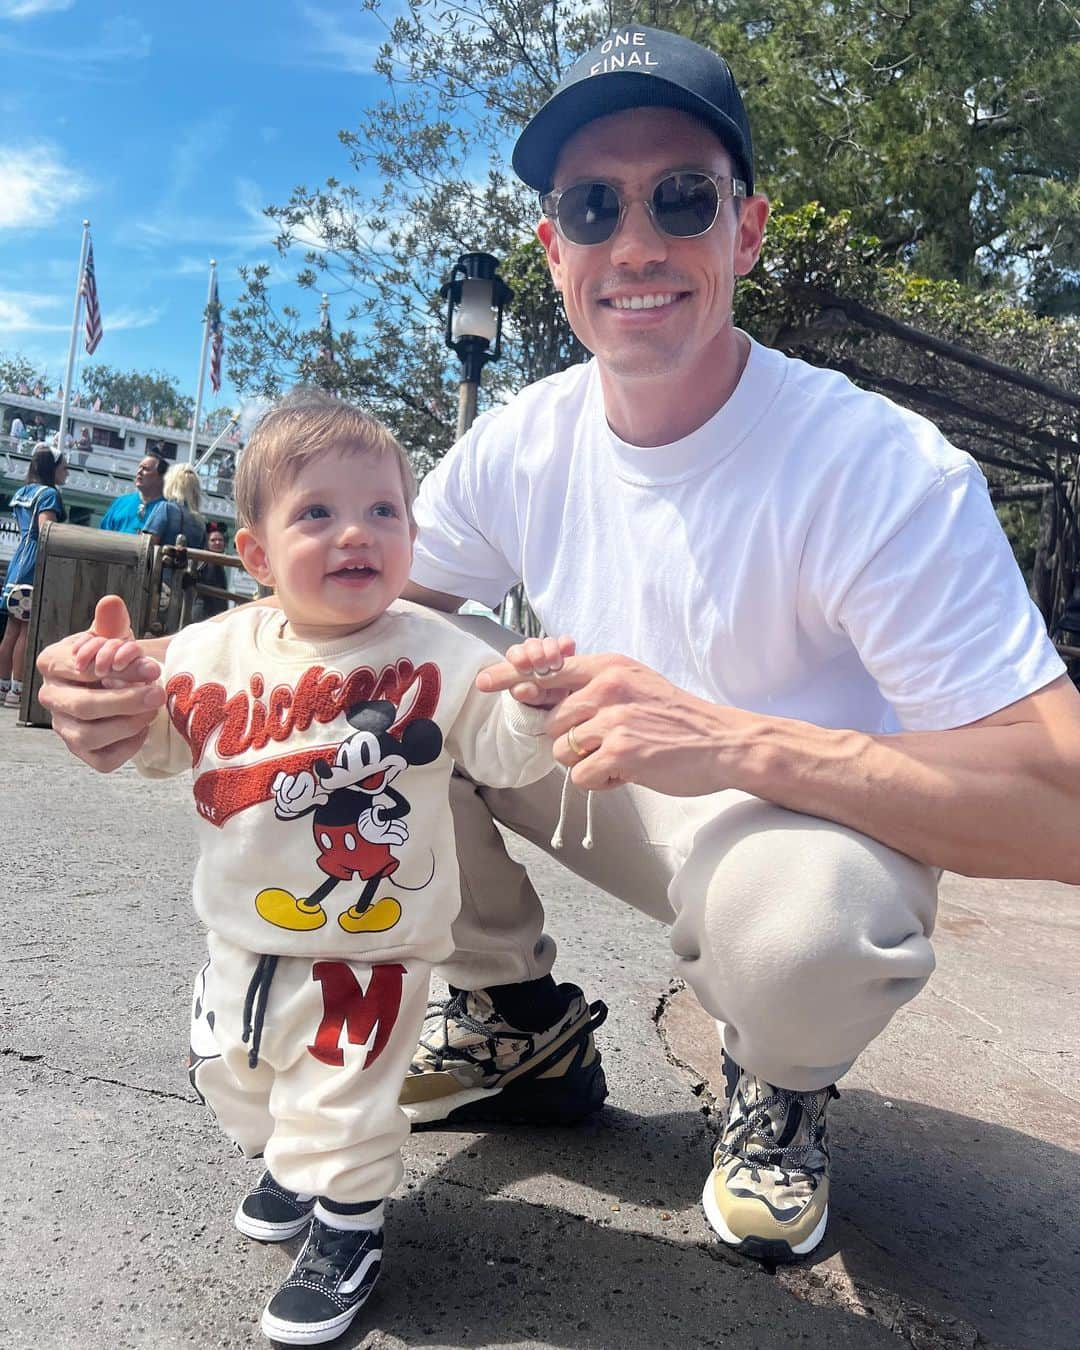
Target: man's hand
[(527, 670), (620, 722), (102, 691)]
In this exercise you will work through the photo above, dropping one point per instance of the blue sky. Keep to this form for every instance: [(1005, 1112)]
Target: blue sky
[(170, 126)]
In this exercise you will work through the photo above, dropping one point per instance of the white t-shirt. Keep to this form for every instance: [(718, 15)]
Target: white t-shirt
[(813, 551)]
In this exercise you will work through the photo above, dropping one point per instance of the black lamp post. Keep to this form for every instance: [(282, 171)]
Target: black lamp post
[(475, 298)]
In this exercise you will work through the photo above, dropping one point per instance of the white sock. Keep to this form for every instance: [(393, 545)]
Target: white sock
[(372, 1221), (16, 686), (5, 685)]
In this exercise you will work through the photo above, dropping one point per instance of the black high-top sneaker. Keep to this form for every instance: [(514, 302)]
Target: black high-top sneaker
[(330, 1280)]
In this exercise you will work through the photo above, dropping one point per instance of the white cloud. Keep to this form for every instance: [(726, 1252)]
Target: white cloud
[(333, 45), (36, 185), (120, 42), (31, 312), (27, 9), (20, 313)]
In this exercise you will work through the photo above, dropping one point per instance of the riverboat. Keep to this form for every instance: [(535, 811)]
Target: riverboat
[(106, 471)]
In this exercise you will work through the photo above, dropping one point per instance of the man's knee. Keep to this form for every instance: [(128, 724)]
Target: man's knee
[(804, 937)]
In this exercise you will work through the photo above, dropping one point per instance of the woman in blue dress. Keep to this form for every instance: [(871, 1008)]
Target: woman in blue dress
[(36, 502)]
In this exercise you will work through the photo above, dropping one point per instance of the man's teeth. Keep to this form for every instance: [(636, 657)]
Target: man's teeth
[(641, 301)]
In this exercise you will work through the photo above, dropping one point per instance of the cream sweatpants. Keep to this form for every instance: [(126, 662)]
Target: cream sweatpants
[(800, 936), (321, 1105)]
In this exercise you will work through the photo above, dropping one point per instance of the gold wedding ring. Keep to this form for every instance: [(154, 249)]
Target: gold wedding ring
[(571, 741)]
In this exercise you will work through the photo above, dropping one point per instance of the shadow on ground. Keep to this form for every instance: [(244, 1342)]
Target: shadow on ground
[(946, 1232)]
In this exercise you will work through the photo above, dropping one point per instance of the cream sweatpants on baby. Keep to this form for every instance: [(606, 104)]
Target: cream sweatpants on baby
[(800, 936), (321, 1104)]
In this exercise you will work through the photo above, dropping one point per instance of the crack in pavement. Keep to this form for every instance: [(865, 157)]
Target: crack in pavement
[(9, 1052)]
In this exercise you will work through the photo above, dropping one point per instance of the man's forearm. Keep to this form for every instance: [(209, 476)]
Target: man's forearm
[(992, 801)]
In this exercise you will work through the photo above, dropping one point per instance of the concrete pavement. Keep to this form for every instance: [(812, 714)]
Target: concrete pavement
[(956, 1177)]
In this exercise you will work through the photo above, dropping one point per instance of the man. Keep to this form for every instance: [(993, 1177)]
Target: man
[(836, 683), (84, 446), (141, 511), (17, 431)]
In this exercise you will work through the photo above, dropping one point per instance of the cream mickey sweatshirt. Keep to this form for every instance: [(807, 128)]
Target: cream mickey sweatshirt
[(326, 768)]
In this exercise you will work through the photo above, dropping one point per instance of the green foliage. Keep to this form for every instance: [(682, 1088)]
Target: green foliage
[(462, 78), (16, 370), (145, 389), (950, 130)]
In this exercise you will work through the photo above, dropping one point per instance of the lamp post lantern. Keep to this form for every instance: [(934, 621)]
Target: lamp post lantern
[(475, 298)]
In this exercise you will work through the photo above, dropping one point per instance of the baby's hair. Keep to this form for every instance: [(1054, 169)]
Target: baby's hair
[(305, 424)]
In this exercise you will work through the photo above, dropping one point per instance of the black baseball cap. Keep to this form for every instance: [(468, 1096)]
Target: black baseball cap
[(637, 67)]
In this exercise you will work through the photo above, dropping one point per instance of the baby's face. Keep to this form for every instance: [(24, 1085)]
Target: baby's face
[(338, 543)]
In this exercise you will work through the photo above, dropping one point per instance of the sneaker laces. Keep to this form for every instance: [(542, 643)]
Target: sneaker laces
[(757, 1122), (455, 1007), (321, 1257)]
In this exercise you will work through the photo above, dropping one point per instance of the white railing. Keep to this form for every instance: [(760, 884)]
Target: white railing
[(106, 472)]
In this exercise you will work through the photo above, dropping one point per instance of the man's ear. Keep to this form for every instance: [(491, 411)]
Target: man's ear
[(750, 234), (254, 557), (549, 240)]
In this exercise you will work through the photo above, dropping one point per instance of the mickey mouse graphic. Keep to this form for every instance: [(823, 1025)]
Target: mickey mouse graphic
[(358, 818)]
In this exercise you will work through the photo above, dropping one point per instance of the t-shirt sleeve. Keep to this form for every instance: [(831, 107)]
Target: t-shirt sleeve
[(157, 522), (454, 552), (940, 615), (49, 500)]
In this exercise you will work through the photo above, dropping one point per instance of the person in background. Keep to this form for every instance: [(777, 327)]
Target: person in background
[(84, 446), (37, 431), (211, 574), (17, 430), (183, 498), (35, 503), (143, 509)]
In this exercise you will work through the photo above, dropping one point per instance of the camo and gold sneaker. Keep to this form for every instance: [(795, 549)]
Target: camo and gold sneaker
[(768, 1193), (471, 1064)]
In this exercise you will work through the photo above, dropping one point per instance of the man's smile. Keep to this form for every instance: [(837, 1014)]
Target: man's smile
[(654, 300)]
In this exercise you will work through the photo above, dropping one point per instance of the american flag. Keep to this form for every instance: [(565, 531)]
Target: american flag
[(94, 330), (217, 338)]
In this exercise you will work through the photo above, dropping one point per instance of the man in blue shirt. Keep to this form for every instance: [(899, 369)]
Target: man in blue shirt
[(141, 511)]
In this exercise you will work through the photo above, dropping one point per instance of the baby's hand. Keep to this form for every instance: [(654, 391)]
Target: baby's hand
[(525, 666), (116, 662)]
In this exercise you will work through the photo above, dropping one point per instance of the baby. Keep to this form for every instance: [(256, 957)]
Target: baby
[(321, 736)]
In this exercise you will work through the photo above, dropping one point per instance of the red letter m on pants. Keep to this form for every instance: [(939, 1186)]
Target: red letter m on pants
[(345, 1004)]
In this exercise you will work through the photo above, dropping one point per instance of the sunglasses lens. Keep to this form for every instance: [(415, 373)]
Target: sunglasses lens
[(685, 204), (588, 213)]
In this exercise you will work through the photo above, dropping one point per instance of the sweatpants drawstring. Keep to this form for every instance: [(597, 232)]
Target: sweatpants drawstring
[(557, 837), (258, 994)]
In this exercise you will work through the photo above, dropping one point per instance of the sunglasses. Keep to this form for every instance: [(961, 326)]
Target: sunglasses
[(682, 205)]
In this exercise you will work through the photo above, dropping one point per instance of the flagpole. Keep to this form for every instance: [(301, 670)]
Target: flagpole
[(193, 448), (65, 396)]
